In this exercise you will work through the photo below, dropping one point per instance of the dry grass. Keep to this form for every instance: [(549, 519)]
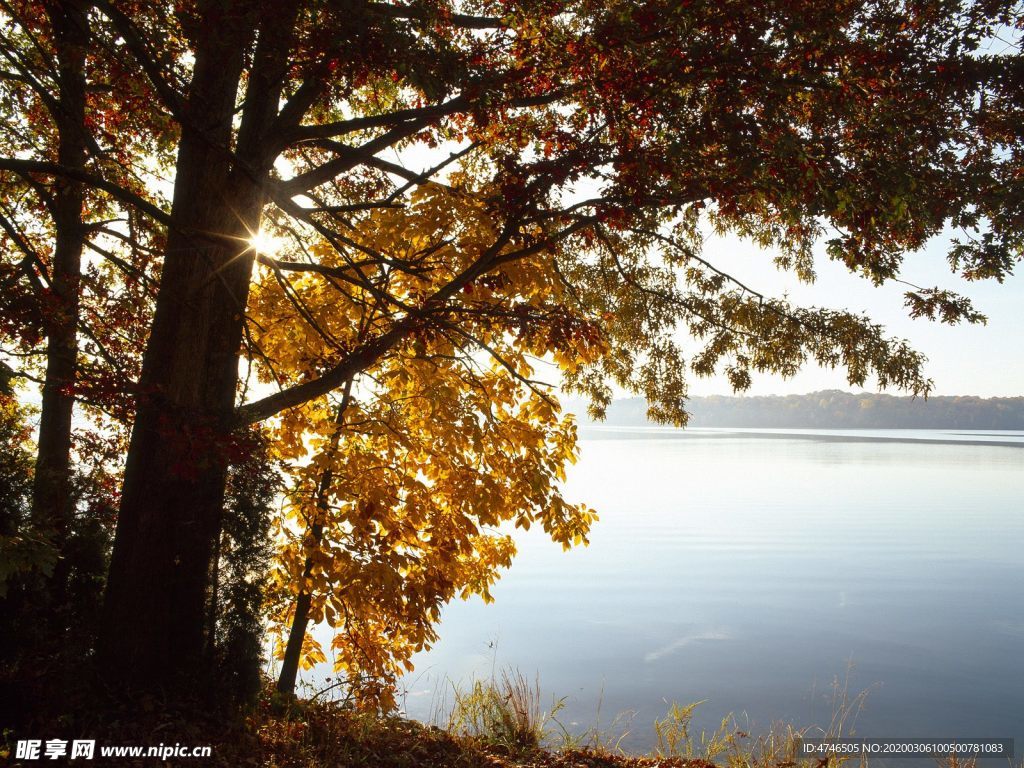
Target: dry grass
[(500, 723), (504, 712)]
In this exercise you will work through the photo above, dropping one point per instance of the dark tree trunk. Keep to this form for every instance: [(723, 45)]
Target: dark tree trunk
[(297, 633), (300, 619), (154, 629), (52, 508), (154, 624)]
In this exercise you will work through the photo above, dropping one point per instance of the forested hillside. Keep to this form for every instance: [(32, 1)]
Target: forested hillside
[(838, 410)]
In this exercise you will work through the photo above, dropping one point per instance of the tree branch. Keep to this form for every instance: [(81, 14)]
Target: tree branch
[(26, 167), (171, 97)]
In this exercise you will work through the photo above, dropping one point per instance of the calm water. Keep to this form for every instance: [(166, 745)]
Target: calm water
[(751, 569)]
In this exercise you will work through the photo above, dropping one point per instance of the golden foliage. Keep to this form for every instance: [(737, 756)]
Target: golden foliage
[(403, 490)]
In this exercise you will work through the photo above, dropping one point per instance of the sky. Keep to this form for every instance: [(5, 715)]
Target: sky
[(987, 360)]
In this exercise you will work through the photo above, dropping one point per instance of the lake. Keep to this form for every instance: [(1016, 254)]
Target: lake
[(752, 569)]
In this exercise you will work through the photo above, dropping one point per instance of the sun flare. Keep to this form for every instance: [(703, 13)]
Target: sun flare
[(265, 243)]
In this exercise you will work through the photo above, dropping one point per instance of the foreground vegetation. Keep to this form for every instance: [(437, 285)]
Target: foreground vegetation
[(493, 724), (314, 735), (497, 723), (503, 722)]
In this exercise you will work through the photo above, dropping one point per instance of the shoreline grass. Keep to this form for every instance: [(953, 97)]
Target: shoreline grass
[(502, 723), (499, 722)]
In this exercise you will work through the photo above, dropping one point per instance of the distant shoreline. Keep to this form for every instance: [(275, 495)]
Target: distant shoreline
[(829, 409), (670, 433)]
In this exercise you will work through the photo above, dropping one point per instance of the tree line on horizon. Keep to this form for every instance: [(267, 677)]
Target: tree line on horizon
[(836, 409)]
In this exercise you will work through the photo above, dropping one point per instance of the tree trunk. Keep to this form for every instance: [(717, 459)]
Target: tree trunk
[(154, 630), (297, 632), (52, 507), (300, 619)]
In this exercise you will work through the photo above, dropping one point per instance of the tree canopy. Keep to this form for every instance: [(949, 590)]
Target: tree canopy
[(460, 197)]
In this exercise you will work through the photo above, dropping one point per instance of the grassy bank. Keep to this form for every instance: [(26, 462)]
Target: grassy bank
[(322, 735), (502, 722), (497, 723)]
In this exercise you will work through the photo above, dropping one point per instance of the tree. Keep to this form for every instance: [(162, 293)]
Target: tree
[(65, 301), (21, 552), (60, 34), (242, 567), (59, 101), (405, 480), (594, 139)]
